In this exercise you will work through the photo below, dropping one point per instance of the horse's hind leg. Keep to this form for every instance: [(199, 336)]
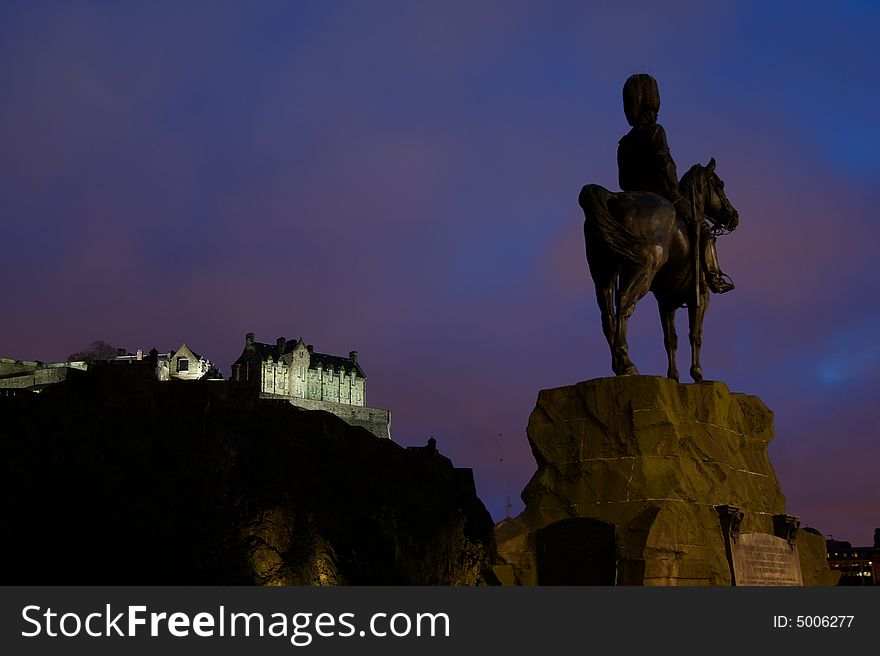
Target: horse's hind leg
[(634, 284), (604, 268), (605, 299), (670, 338), (695, 321)]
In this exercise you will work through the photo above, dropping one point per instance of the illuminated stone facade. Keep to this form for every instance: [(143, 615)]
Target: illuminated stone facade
[(292, 370), (183, 364)]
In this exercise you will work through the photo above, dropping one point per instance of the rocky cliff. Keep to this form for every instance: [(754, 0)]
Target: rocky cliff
[(120, 479), (631, 469)]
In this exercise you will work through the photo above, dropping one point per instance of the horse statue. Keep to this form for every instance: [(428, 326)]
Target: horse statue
[(636, 242)]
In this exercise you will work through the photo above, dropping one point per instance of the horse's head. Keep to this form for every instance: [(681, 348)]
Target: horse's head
[(704, 183)]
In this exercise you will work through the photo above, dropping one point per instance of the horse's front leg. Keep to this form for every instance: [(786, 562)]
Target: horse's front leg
[(670, 338), (695, 320)]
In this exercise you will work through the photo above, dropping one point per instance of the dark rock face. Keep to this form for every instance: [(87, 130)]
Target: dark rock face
[(120, 479), (652, 458)]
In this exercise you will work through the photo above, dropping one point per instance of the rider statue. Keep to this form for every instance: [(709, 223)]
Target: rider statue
[(644, 164)]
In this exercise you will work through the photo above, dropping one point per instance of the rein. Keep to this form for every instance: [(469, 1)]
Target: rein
[(696, 190)]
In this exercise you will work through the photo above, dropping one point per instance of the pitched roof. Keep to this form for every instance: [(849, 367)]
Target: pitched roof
[(195, 355), (333, 362), (325, 361)]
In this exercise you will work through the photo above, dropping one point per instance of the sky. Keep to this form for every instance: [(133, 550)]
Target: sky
[(401, 179)]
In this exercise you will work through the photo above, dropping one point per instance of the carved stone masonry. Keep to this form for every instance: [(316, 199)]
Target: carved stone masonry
[(786, 527), (731, 519)]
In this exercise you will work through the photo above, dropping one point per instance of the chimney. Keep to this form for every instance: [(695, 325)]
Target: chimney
[(310, 348), (353, 356), (280, 343), (249, 340), (140, 354)]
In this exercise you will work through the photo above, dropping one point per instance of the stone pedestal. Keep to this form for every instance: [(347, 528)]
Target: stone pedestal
[(651, 458)]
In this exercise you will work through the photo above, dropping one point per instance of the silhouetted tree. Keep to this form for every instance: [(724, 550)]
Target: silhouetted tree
[(98, 350)]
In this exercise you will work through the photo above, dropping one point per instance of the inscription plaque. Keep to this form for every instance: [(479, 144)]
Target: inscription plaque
[(764, 559)]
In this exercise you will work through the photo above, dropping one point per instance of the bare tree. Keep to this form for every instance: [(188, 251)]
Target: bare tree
[(98, 350)]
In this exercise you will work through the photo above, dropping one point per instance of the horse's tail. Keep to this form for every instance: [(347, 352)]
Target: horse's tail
[(593, 199)]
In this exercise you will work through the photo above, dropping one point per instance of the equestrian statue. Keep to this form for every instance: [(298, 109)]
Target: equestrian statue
[(655, 234)]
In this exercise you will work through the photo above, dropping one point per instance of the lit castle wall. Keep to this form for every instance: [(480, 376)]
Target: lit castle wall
[(292, 370)]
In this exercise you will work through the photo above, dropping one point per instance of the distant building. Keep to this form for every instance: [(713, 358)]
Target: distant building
[(183, 364), (857, 565), (35, 376), (292, 370)]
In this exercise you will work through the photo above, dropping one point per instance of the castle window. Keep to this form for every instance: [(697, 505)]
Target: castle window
[(182, 364)]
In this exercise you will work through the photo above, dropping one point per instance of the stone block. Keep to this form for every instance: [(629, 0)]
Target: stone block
[(653, 458)]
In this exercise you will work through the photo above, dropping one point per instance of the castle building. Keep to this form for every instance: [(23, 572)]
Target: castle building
[(293, 371), (34, 376), (182, 364)]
